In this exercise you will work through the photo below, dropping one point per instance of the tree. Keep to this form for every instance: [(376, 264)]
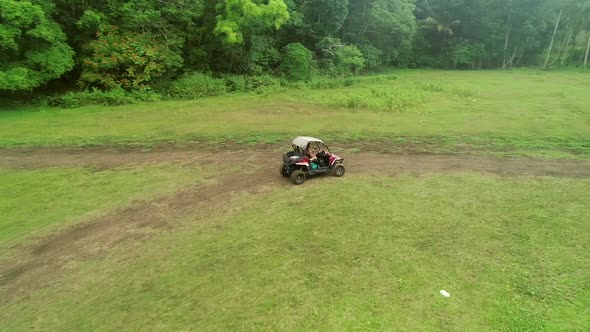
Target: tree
[(324, 18), (442, 22), (239, 17), (553, 38), (384, 27), (126, 60), (33, 48), (437, 25)]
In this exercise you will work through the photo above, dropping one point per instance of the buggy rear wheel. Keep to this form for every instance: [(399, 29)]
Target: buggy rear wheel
[(298, 177), (284, 171), (339, 170)]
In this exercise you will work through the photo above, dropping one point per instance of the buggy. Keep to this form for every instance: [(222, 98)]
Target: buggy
[(298, 164)]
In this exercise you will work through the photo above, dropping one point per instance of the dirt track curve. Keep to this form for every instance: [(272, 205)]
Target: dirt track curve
[(36, 265)]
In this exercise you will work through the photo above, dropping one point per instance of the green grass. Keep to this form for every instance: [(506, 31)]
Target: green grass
[(36, 201), (362, 253), (528, 111)]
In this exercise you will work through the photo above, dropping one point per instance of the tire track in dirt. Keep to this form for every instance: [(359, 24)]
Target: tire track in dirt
[(37, 265)]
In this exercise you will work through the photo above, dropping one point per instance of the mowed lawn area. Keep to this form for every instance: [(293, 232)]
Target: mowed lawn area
[(99, 236), (521, 112)]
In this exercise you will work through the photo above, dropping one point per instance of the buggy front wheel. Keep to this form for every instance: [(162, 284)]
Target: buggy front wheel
[(339, 170), (298, 177)]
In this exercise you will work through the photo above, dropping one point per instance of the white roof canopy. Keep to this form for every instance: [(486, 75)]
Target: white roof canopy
[(302, 141)]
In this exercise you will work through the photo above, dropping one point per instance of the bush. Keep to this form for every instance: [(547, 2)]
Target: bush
[(262, 82), (196, 85), (97, 97), (326, 82), (463, 54), (297, 62), (349, 59), (235, 83), (373, 56)]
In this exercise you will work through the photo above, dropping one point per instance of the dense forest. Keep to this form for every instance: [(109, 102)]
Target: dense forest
[(140, 44)]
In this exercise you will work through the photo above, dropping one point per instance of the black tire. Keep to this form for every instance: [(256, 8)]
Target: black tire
[(283, 171), (298, 177), (339, 170)]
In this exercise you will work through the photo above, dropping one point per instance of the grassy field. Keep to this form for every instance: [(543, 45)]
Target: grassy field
[(520, 112), (193, 238), (38, 201), (513, 253)]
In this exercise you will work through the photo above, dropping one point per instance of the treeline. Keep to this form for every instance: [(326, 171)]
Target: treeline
[(137, 45)]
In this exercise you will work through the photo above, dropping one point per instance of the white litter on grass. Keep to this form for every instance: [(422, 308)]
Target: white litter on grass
[(445, 293)]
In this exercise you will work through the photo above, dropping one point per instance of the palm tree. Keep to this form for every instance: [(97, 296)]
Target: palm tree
[(443, 23)]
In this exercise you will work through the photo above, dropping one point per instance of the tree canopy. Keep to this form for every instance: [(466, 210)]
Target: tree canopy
[(133, 44), (34, 48)]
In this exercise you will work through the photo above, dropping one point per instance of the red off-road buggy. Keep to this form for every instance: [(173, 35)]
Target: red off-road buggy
[(298, 165)]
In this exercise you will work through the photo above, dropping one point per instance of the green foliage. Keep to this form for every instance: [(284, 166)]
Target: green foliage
[(297, 62), (240, 83), (262, 82), (196, 85), (116, 96), (126, 60), (236, 83), (325, 17), (137, 44), (373, 56), (463, 54), (247, 16), (327, 82), (349, 59), (33, 49), (386, 25)]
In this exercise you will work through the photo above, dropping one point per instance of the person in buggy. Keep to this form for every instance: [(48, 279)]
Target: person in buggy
[(310, 156), (317, 158)]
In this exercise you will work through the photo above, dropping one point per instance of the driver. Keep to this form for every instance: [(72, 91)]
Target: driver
[(313, 156)]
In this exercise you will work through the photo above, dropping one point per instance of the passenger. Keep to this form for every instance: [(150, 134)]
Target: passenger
[(312, 156)]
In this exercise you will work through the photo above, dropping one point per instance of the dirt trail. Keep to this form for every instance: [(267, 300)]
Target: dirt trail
[(37, 265), (390, 164)]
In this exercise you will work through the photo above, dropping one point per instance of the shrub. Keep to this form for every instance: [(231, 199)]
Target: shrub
[(463, 54), (326, 82), (297, 62), (432, 87), (235, 83), (261, 81), (196, 85), (373, 56), (349, 59), (112, 97)]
